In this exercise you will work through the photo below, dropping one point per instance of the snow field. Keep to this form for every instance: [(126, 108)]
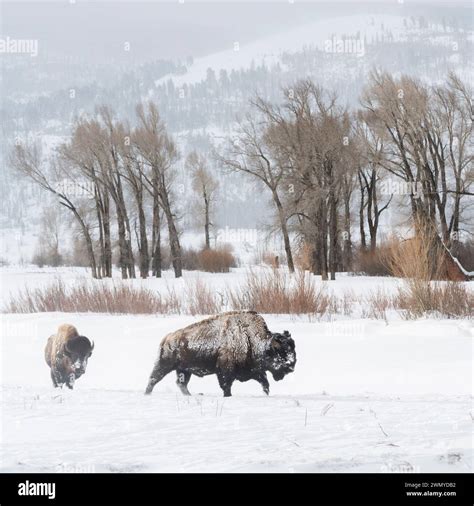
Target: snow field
[(365, 396)]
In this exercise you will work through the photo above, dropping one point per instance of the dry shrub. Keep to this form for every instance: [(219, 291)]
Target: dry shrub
[(376, 304), (270, 259), (48, 257), (274, 291), (78, 256), (418, 258), (464, 252), (303, 257), (94, 297), (216, 260), (419, 261), (201, 299), (190, 259), (349, 298), (373, 263), (450, 299)]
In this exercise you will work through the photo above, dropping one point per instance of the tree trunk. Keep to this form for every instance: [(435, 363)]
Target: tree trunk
[(347, 259), (175, 247), (101, 269), (123, 257), (89, 244), (107, 237), (284, 231), (324, 242), (156, 237), (332, 236), (125, 236), (363, 241), (206, 223), (144, 260)]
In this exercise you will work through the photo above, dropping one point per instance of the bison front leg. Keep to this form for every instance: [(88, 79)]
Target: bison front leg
[(182, 381), (158, 373), (262, 379), (71, 378), (225, 382), (54, 379)]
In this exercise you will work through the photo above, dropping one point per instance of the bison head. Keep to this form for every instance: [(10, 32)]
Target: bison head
[(78, 350), (281, 356)]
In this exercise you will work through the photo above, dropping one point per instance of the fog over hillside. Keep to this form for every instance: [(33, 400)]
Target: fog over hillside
[(201, 63)]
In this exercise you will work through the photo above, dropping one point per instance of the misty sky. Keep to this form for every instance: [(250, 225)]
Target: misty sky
[(97, 31)]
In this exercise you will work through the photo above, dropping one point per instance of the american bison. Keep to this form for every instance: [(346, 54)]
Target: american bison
[(67, 353), (235, 346)]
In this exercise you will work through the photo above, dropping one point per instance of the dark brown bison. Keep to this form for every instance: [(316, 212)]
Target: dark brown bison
[(67, 353), (234, 346)]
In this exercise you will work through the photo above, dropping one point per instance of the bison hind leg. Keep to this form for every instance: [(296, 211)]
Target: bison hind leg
[(158, 373), (225, 382), (182, 381)]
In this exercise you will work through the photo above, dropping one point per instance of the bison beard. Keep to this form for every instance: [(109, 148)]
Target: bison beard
[(234, 346), (66, 353)]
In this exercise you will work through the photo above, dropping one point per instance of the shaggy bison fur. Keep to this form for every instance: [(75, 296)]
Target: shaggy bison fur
[(235, 346), (66, 353)]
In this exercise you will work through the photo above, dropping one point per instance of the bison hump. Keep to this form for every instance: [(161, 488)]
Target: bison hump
[(67, 331)]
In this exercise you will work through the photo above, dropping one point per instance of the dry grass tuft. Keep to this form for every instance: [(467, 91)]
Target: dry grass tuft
[(450, 299), (200, 299), (276, 292), (95, 297), (376, 305)]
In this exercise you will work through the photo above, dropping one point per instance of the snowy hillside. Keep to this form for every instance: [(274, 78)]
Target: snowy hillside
[(315, 35)]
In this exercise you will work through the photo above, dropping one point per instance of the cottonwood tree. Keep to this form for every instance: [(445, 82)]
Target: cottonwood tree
[(205, 186), (370, 152), (310, 139), (250, 152), (427, 133), (159, 154), (28, 161), (133, 173), (82, 153), (112, 140)]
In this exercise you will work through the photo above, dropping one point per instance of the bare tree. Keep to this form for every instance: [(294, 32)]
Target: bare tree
[(27, 160), (205, 186), (310, 138), (369, 155), (426, 132), (249, 152), (159, 154), (82, 152), (112, 139)]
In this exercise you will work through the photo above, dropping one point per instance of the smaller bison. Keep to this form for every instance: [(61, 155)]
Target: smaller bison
[(66, 353), (235, 346)]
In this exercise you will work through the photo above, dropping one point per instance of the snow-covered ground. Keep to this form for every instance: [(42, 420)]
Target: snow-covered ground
[(365, 396)]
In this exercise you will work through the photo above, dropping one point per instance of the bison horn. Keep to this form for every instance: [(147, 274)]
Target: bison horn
[(92, 345)]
